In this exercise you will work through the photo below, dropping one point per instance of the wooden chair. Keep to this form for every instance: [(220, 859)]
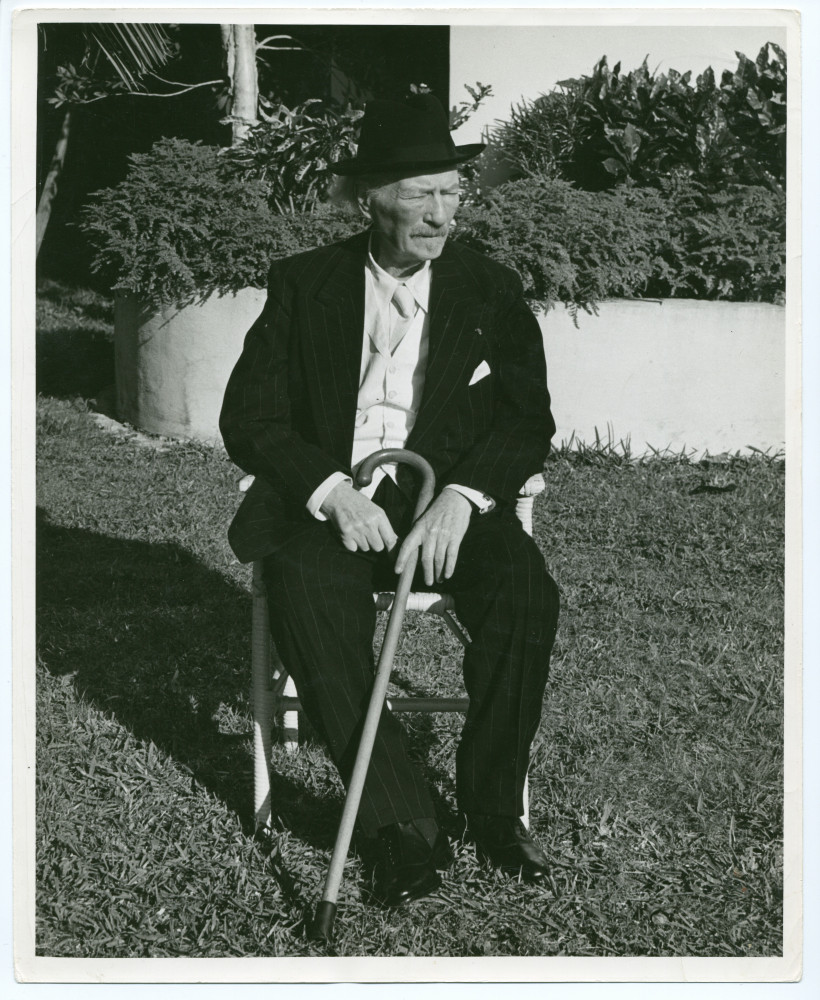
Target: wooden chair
[(274, 693)]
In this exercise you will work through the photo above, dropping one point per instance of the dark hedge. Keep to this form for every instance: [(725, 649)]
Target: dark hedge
[(183, 225)]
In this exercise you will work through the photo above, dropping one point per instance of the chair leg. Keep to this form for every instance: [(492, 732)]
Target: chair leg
[(262, 701), (290, 720), (525, 819), (454, 627)]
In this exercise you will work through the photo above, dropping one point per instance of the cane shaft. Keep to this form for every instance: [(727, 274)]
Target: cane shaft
[(368, 737), (322, 928)]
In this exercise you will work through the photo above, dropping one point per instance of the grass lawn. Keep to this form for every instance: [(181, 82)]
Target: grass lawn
[(656, 778)]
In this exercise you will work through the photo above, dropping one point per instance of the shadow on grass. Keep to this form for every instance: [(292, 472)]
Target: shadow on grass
[(73, 363), (160, 642)]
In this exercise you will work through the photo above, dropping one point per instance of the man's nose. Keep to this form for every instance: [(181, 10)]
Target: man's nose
[(436, 211)]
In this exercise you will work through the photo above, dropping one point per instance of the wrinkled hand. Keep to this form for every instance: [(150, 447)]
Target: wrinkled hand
[(439, 532), (362, 525)]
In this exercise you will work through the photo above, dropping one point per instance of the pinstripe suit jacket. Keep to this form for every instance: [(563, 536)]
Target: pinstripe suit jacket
[(290, 405)]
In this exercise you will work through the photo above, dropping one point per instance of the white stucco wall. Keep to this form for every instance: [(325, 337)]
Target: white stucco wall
[(707, 376), (172, 367), (677, 373)]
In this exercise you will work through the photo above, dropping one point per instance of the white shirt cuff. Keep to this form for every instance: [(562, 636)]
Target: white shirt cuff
[(482, 502), (319, 495)]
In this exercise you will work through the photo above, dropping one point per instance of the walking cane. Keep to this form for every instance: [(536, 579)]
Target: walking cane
[(321, 929)]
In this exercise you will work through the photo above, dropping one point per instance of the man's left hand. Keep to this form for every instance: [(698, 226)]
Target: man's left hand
[(439, 532)]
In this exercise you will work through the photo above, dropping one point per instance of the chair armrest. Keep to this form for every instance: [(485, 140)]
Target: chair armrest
[(526, 498), (533, 486)]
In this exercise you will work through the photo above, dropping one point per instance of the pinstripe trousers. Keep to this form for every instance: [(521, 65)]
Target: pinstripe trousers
[(322, 618)]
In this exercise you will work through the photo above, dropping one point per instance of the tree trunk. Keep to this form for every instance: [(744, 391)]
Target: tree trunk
[(50, 186), (239, 44)]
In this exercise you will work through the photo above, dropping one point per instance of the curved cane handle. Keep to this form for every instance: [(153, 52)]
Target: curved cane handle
[(364, 475)]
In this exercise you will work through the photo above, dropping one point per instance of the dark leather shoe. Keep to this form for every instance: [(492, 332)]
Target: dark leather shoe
[(505, 842), (407, 867)]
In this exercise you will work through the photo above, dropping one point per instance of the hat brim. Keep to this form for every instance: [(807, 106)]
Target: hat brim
[(357, 166)]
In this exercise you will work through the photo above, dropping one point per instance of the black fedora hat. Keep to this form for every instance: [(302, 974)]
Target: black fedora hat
[(405, 135)]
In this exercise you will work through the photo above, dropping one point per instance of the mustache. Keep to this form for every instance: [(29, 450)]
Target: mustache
[(435, 232)]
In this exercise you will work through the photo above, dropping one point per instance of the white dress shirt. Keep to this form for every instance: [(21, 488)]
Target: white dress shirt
[(390, 383)]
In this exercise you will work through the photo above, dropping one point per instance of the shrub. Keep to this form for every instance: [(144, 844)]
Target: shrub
[(571, 246), (728, 245), (183, 224), (579, 247), (608, 127), (290, 153)]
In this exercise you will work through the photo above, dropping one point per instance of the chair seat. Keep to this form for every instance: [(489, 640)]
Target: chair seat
[(417, 601)]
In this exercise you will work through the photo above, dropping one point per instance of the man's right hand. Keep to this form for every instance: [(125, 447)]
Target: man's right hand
[(362, 525)]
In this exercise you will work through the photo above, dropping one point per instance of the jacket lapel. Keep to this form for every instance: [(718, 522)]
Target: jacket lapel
[(333, 348), (456, 309)]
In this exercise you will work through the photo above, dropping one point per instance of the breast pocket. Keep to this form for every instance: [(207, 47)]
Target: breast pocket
[(481, 373), (480, 397)]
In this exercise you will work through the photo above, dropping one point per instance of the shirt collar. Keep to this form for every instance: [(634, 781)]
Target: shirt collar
[(385, 284)]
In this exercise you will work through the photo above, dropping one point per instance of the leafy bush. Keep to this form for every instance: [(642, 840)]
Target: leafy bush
[(290, 153), (568, 245), (728, 245), (603, 129), (579, 247), (183, 224)]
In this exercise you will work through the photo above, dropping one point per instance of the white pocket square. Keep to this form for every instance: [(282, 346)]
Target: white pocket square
[(481, 372)]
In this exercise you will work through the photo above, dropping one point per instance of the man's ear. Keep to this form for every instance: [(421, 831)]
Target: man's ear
[(363, 202)]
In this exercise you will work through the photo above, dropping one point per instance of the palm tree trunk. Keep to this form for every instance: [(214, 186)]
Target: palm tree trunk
[(50, 186), (239, 44)]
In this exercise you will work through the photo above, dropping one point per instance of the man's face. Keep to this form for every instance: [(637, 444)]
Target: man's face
[(412, 217)]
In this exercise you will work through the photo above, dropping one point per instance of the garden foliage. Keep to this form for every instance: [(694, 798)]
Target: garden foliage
[(185, 223), (290, 153), (631, 185), (728, 244), (568, 245), (609, 127), (579, 247)]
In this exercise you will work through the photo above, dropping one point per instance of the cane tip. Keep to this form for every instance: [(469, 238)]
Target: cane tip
[(321, 929)]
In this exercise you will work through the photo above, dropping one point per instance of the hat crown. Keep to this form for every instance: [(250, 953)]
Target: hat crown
[(413, 134), (391, 126)]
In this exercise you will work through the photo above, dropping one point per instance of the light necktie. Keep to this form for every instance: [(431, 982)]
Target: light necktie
[(405, 305)]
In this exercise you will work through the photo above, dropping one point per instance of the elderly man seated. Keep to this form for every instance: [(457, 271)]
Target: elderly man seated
[(398, 339)]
